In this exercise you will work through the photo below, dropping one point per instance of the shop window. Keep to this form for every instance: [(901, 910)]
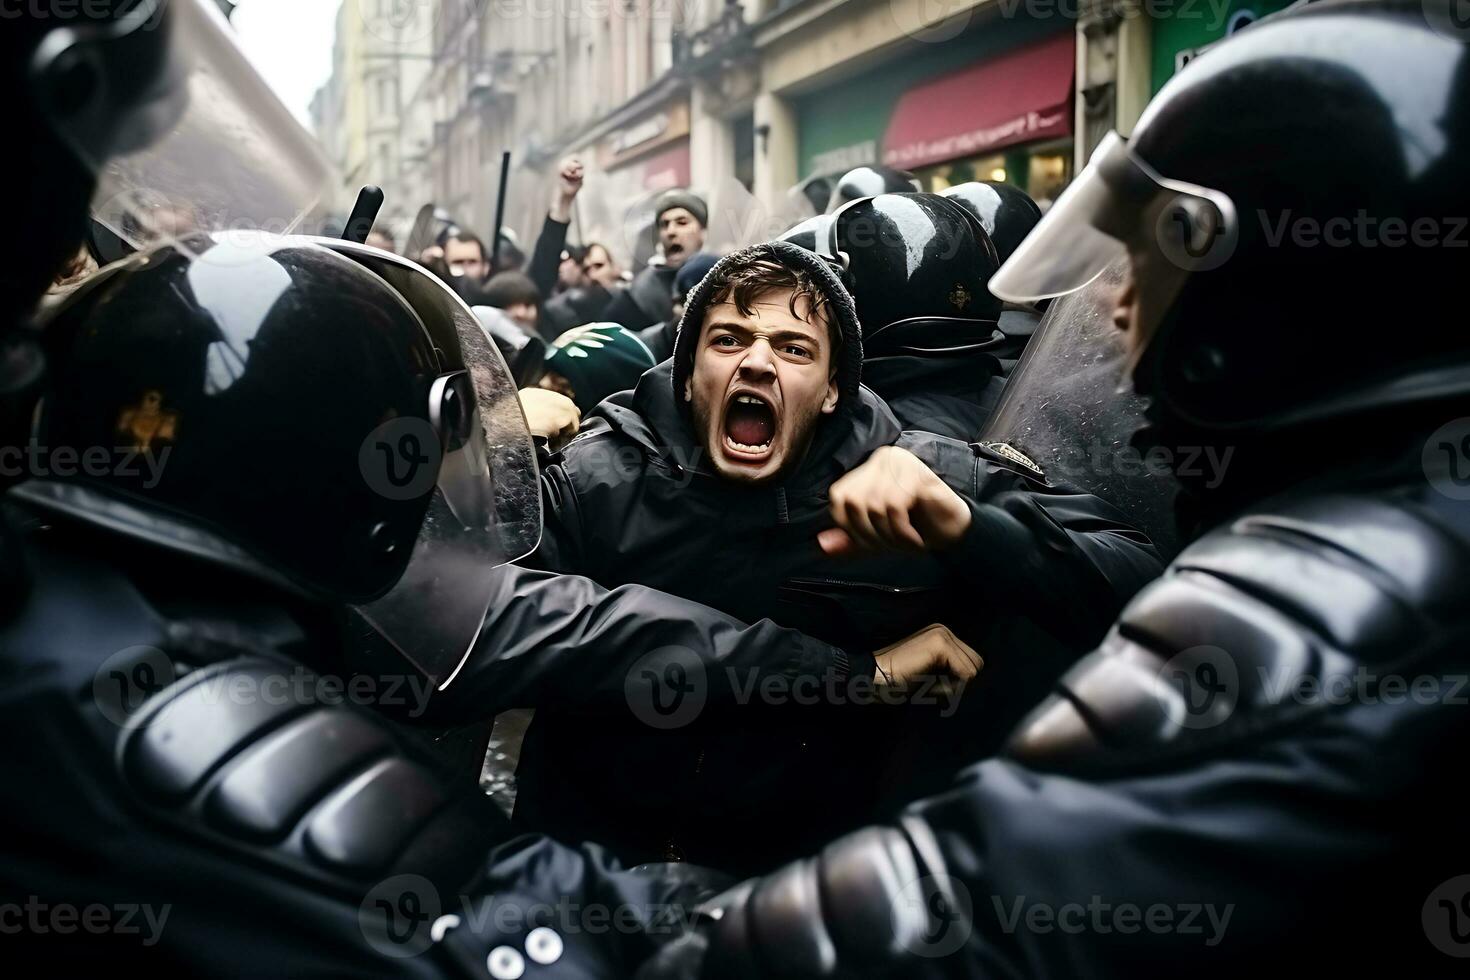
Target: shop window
[(1047, 177)]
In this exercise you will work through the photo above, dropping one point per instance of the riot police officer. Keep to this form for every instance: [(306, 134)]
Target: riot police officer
[(917, 266), (860, 182), (1007, 214), (1243, 775), (264, 490)]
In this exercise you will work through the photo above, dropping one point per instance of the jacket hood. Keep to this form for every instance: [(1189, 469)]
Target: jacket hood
[(661, 426)]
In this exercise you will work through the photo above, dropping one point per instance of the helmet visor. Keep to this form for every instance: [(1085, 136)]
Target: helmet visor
[(1117, 203), (486, 506)]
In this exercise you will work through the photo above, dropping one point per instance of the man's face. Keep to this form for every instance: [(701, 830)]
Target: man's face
[(1149, 288), (681, 235), (599, 267), (759, 385), (465, 258)]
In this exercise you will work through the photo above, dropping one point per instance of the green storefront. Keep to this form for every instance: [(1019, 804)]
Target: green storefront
[(843, 125), (1196, 24)]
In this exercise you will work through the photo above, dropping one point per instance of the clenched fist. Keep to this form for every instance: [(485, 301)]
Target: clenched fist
[(893, 502), (568, 184), (551, 415), (932, 650)]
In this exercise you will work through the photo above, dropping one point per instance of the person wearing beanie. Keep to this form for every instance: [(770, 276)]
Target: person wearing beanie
[(660, 336), (589, 363), (679, 220), (679, 223), (714, 480)]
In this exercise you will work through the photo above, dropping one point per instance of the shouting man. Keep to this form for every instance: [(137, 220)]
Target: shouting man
[(735, 474), (679, 222)]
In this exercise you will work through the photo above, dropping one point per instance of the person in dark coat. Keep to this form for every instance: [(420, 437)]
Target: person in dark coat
[(1257, 772), (680, 218), (660, 336), (715, 480), (210, 771)]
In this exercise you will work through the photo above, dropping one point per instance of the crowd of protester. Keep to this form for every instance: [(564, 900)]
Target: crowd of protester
[(738, 406)]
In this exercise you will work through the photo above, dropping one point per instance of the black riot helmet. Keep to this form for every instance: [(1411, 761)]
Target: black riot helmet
[(1006, 212), (1291, 207), (917, 265), (870, 182), (811, 234), (82, 86), (276, 406)]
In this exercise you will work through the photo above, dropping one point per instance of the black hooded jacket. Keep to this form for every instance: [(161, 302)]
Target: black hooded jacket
[(631, 501)]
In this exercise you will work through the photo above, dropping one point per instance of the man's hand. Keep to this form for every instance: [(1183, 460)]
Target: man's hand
[(932, 650), (893, 502), (569, 183), (550, 415)]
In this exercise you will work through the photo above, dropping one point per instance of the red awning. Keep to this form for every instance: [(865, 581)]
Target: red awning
[(1017, 98), (667, 169)]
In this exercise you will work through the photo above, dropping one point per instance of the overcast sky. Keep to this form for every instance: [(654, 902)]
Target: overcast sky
[(290, 42)]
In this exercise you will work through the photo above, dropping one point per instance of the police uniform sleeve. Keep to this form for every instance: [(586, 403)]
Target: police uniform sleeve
[(1069, 559), (1229, 782), (565, 640)]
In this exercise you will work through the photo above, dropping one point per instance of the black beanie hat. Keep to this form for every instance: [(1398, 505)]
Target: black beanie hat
[(680, 198), (840, 306)]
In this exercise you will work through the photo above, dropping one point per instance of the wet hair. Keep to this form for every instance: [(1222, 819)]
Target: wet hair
[(744, 283), (506, 289)]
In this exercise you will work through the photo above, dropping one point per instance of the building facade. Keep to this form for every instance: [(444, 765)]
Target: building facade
[(757, 104)]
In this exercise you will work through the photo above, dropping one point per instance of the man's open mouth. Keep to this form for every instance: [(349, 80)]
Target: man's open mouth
[(750, 427)]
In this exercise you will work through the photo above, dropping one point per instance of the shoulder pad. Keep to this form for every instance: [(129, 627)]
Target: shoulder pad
[(244, 754), (1303, 594)]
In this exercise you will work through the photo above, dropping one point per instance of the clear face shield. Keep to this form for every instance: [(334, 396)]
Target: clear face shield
[(216, 168), (209, 148), (486, 508), (1119, 207)]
